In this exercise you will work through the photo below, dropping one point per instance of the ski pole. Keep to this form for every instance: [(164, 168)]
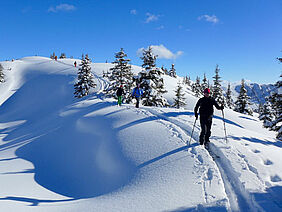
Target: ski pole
[(192, 132), (224, 125)]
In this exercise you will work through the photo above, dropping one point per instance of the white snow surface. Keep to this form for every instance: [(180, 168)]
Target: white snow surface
[(58, 153)]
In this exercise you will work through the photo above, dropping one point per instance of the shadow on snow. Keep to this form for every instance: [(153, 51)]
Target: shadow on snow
[(171, 114), (167, 154), (175, 114), (256, 140), (271, 200), (74, 156), (32, 201)]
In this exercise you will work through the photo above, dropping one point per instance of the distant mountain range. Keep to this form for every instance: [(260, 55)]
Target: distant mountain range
[(257, 92)]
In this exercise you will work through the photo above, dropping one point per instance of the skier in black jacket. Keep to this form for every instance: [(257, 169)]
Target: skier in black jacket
[(119, 93), (206, 113)]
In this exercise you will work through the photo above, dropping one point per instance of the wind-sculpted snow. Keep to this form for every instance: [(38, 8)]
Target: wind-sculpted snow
[(67, 162), (68, 153), (58, 153)]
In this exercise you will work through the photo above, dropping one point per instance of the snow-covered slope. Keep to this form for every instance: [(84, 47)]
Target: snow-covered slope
[(62, 154)]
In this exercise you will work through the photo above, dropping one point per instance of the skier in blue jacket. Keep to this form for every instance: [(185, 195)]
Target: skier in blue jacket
[(137, 93)]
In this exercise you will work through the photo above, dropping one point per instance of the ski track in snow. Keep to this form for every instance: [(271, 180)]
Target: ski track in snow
[(239, 199), (101, 82), (201, 166), (237, 195)]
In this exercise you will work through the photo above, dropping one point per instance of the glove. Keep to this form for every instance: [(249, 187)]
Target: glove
[(196, 115), (222, 107)]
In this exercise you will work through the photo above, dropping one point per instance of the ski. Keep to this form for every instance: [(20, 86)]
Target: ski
[(212, 154)]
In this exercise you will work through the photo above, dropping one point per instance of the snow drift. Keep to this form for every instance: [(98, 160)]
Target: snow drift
[(62, 154)]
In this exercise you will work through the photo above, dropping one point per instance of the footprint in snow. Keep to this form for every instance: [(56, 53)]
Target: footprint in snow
[(173, 131), (275, 178), (241, 155), (256, 151), (267, 162), (200, 158), (193, 151), (209, 174)]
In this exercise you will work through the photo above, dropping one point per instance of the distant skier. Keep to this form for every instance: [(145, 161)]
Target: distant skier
[(137, 93), (74, 63), (119, 93), (206, 104)]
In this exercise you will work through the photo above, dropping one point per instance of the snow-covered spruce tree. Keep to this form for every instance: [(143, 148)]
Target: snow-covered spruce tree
[(184, 80), (266, 114), (187, 80), (229, 100), (242, 104), (172, 71), (210, 86), (165, 71), (151, 81), (276, 100), (204, 83), (120, 74), (260, 108), (217, 90), (1, 73), (85, 78), (179, 100), (197, 88), (52, 56), (63, 56)]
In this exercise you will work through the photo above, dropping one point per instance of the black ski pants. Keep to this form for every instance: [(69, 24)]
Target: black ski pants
[(206, 123), (137, 102)]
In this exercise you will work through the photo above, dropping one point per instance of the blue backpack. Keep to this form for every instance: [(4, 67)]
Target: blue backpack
[(137, 92)]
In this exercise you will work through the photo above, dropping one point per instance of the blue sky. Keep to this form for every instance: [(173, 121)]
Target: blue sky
[(242, 36)]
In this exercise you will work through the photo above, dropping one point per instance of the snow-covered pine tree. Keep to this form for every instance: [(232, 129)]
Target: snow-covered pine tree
[(1, 73), (85, 78), (210, 86), (149, 59), (197, 88), (63, 56), (266, 114), (204, 83), (172, 71), (276, 100), (52, 56), (179, 100), (151, 81), (242, 103), (120, 74), (217, 90), (229, 101), (106, 74), (165, 71), (184, 80), (260, 108), (188, 81)]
